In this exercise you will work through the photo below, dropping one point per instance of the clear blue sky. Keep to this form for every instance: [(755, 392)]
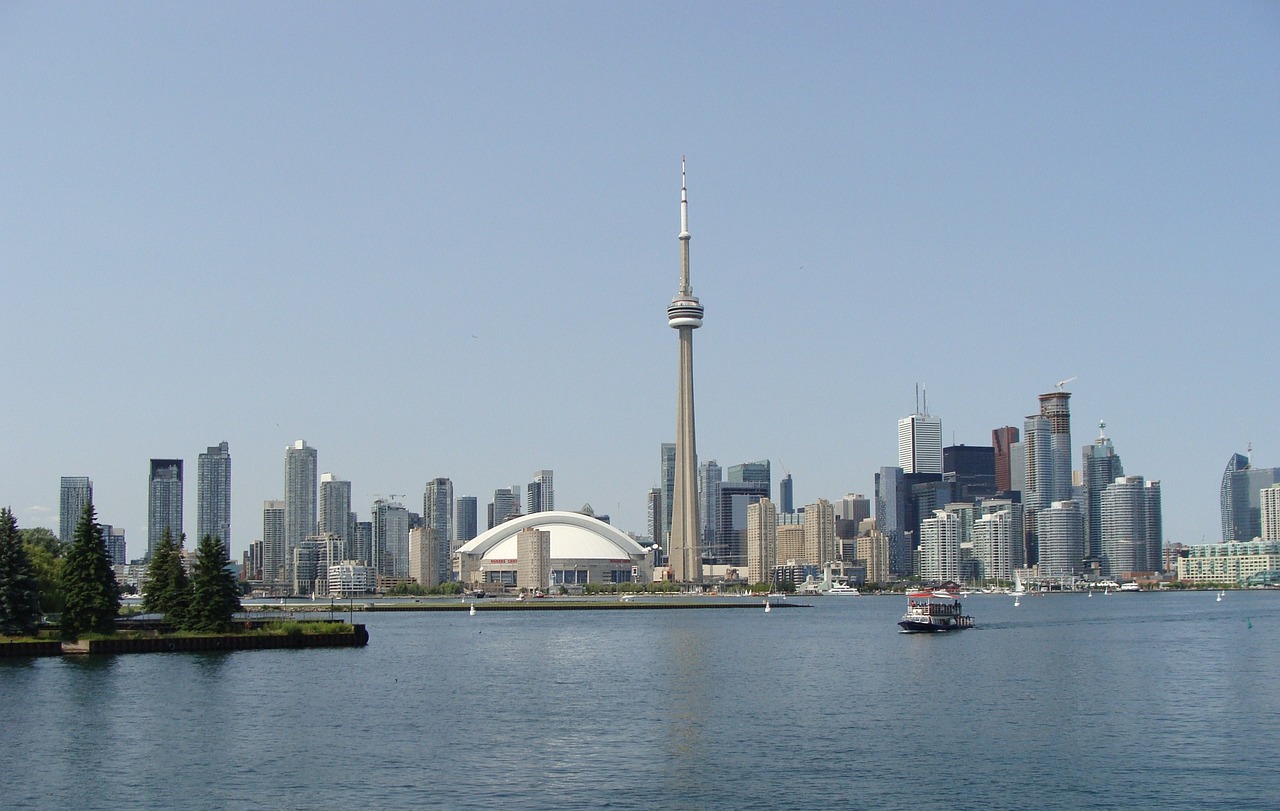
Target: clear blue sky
[(439, 240)]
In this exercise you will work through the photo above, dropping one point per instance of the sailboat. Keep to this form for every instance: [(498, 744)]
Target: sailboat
[(472, 612), (1018, 588), (1220, 594), (767, 607)]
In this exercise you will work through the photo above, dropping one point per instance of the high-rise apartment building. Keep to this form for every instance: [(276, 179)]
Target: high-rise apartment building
[(164, 502), (274, 568), (1242, 485), (1038, 485), (334, 513), (668, 473), (74, 494), (854, 507), (465, 519), (920, 444), (940, 548), (654, 513), (1015, 553), (437, 513), (362, 543), (1055, 408), (1269, 501), (1002, 442), (541, 493), (787, 494), (994, 536), (820, 533), (1131, 538), (873, 551), (709, 482), (424, 556), (114, 538), (1061, 540), (213, 494), (300, 481), (1100, 466), (505, 504), (762, 540), (390, 539), (533, 559)]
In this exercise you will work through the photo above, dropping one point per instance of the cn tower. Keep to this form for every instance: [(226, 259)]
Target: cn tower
[(685, 315)]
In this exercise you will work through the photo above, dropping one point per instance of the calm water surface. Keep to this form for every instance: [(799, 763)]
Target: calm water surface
[(1127, 701)]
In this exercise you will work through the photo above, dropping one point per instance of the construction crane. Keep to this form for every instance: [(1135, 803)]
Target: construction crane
[(1062, 383)]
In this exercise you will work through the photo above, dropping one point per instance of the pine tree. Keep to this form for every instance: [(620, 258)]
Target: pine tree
[(167, 591), (19, 589), (215, 595), (93, 600)]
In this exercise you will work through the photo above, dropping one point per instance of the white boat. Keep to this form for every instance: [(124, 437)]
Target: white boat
[(933, 611), (842, 590), (767, 607), (1130, 586), (472, 612)]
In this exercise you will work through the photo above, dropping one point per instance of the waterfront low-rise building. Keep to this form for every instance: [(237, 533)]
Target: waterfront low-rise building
[(1232, 562)]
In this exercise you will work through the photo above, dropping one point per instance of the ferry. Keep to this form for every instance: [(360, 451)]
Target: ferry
[(933, 611)]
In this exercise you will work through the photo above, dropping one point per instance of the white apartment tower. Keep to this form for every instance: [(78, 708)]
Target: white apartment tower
[(299, 496), (940, 547)]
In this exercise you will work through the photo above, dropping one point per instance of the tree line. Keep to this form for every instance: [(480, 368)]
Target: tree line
[(41, 574)]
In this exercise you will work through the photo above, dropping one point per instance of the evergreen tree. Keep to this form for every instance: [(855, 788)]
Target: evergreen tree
[(19, 590), (167, 591), (89, 584), (215, 595)]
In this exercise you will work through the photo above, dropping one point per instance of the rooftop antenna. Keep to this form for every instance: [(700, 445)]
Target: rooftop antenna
[(917, 398), (925, 392)]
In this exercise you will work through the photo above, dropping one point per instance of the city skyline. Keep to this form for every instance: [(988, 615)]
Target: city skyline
[(866, 186)]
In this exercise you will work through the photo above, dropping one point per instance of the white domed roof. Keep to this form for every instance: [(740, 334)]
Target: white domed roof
[(573, 537)]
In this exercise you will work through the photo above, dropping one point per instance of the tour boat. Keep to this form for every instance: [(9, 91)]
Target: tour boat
[(933, 611), (843, 589)]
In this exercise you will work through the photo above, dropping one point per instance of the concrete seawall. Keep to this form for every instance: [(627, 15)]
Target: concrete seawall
[(359, 637)]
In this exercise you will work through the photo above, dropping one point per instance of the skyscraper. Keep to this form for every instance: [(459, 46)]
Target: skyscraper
[(504, 505), (993, 537), (891, 504), (213, 494), (1270, 500), (274, 568), (709, 482), (114, 538), (334, 515), (465, 520), (668, 477), (972, 469), (299, 497), (684, 314), (1002, 441), (820, 533), (437, 513), (76, 491), (541, 493), (920, 444), (653, 509), (1100, 466), (390, 539), (1054, 408), (1242, 485), (787, 494), (754, 472), (731, 522), (1061, 528), (1131, 527), (1038, 486), (940, 547), (164, 502), (762, 540)]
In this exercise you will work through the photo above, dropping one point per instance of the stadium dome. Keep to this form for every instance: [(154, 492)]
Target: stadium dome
[(583, 550)]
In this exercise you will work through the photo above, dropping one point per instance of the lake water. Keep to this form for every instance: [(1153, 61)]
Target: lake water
[(1125, 701)]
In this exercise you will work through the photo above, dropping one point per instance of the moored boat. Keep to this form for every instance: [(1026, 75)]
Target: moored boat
[(933, 611)]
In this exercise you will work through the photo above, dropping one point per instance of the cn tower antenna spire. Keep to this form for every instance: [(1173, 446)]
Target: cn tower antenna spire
[(685, 287)]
